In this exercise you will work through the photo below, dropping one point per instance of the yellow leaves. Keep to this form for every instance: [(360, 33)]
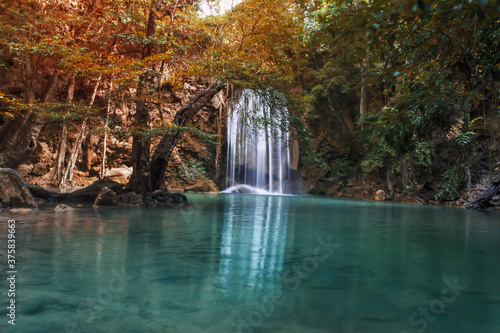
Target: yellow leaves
[(473, 122), (258, 42)]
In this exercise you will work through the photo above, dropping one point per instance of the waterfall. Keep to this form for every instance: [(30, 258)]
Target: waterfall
[(258, 146)]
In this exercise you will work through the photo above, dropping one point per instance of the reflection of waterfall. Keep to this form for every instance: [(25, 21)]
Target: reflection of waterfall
[(253, 245), (259, 151)]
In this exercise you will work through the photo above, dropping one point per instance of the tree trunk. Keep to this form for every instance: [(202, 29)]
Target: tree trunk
[(141, 146), (167, 144), (61, 149), (102, 172), (363, 104), (61, 155), (88, 154), (68, 173)]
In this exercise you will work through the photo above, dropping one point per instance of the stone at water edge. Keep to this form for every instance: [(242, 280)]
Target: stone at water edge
[(380, 195), (106, 198), (13, 192), (132, 199), (205, 186), (62, 207)]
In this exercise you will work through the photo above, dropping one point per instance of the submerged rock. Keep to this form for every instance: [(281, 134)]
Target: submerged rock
[(62, 207), (13, 191), (161, 198), (106, 198), (157, 198)]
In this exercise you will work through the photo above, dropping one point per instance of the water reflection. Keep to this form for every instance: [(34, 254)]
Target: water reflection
[(193, 270), (253, 243)]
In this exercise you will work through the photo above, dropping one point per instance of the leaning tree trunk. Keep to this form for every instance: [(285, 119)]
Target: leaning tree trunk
[(167, 144)]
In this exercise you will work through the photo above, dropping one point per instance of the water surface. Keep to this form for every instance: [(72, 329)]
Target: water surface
[(252, 263)]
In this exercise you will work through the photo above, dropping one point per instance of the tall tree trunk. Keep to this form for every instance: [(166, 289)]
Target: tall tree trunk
[(68, 173), (102, 172), (363, 104), (167, 144), (141, 146), (350, 128), (88, 154), (61, 149)]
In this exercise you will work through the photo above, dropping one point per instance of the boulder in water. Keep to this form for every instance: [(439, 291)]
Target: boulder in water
[(132, 199), (62, 207), (106, 198)]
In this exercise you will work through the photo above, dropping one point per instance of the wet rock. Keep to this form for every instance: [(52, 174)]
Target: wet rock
[(13, 191), (106, 198), (178, 199), (161, 198), (205, 186), (132, 199), (380, 195), (62, 207)]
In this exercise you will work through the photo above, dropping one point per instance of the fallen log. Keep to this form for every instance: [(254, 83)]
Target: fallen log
[(490, 198), (87, 194), (15, 193)]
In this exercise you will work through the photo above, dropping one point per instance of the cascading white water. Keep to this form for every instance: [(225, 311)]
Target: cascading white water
[(258, 151)]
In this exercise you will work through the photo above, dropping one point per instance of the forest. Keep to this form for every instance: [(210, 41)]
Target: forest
[(398, 99)]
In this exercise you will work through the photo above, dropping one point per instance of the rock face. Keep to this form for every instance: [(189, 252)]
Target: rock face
[(120, 174), (380, 195), (13, 191), (205, 186), (106, 198)]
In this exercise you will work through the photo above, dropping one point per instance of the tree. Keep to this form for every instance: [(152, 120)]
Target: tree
[(143, 50), (246, 47), (428, 71)]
